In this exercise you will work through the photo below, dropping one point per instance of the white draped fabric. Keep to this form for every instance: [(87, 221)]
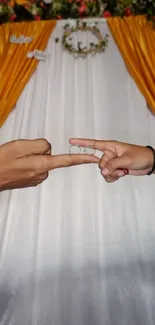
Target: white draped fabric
[(76, 250)]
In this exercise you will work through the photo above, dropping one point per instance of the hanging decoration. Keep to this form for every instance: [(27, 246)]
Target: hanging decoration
[(47, 1), (16, 69), (20, 40), (80, 49), (37, 54)]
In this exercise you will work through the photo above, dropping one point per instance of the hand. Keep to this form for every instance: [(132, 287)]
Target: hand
[(119, 156), (25, 163)]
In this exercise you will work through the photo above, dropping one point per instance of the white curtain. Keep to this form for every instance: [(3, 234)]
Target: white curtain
[(76, 250)]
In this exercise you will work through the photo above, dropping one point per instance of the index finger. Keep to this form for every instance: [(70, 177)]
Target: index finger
[(95, 144), (52, 162)]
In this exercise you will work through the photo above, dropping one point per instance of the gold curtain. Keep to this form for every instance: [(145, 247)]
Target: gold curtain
[(15, 68), (135, 38)]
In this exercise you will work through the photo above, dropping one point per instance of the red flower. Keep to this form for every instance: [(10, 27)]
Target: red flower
[(70, 1), (37, 17), (127, 12), (82, 9), (13, 17), (59, 17), (27, 5), (42, 5), (106, 14)]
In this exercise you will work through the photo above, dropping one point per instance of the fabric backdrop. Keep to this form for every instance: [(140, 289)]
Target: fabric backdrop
[(76, 250)]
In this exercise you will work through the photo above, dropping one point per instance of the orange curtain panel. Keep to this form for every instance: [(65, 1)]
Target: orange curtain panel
[(135, 37), (15, 68)]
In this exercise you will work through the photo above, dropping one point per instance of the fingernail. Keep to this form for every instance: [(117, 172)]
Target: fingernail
[(120, 174), (126, 171), (105, 171)]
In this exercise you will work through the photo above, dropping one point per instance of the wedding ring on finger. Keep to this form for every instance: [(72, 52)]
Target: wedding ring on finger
[(74, 149), (89, 150)]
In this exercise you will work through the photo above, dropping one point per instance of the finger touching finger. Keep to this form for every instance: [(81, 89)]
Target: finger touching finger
[(95, 144), (105, 158), (59, 161)]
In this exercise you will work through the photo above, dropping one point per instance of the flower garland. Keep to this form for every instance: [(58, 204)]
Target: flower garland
[(80, 50), (24, 10)]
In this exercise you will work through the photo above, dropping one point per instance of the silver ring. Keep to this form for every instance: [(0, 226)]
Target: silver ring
[(89, 150), (74, 149)]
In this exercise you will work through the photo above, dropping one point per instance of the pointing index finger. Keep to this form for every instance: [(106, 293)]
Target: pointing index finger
[(95, 144), (52, 162)]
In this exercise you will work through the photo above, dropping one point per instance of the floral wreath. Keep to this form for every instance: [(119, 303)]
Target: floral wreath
[(93, 48)]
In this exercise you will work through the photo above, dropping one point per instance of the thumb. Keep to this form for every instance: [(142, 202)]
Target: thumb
[(115, 164)]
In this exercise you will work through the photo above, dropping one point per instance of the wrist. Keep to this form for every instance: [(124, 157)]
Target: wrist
[(151, 157)]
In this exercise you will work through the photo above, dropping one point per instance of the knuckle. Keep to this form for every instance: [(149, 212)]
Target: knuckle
[(110, 179), (43, 177), (36, 167), (45, 144), (71, 161), (32, 174), (107, 179), (109, 165), (40, 164), (93, 143)]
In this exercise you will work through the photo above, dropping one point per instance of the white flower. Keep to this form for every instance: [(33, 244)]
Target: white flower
[(34, 10), (47, 1), (1, 8), (30, 55), (39, 55)]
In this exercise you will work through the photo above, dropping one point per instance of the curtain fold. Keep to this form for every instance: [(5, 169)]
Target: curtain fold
[(135, 38), (75, 250), (15, 68)]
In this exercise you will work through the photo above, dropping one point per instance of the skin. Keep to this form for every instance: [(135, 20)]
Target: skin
[(26, 163), (119, 156)]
